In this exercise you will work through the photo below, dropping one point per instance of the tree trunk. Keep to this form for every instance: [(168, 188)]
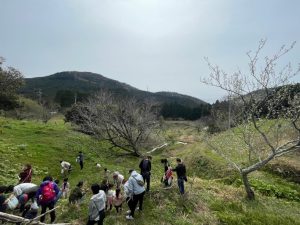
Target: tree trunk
[(249, 191)]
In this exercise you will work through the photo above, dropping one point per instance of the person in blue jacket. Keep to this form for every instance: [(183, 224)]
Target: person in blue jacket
[(47, 196), (135, 191)]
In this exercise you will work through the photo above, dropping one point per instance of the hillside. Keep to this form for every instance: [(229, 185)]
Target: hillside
[(87, 83), (214, 192)]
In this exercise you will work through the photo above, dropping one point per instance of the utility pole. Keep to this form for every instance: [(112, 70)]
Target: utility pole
[(75, 98), (229, 112), (39, 94)]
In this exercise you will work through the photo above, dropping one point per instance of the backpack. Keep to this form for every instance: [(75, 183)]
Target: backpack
[(48, 193)]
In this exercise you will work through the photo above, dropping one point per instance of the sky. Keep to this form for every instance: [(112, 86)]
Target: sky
[(154, 45)]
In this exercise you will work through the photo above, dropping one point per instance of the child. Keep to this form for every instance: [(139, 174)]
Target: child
[(168, 177), (65, 188), (118, 200), (110, 196), (106, 174), (31, 211), (3, 206)]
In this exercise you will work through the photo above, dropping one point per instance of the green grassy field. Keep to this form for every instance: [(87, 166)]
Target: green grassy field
[(214, 191)]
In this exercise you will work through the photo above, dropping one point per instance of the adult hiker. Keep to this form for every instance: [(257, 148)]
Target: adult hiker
[(135, 191), (77, 194), (26, 174), (127, 195), (97, 206), (65, 167), (23, 192), (118, 179), (181, 175), (47, 196), (145, 166), (79, 159)]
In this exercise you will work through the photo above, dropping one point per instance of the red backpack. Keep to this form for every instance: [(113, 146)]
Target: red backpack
[(48, 193)]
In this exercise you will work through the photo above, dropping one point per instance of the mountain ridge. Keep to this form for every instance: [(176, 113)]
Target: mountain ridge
[(88, 82)]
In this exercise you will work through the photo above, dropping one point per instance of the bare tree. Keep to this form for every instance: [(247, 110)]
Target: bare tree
[(265, 112), (126, 123)]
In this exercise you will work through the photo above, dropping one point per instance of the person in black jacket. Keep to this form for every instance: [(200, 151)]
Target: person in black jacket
[(145, 166), (181, 175), (3, 206), (80, 159)]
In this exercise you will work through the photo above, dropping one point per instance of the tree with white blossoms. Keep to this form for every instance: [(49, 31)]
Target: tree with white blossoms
[(265, 111), (126, 123)]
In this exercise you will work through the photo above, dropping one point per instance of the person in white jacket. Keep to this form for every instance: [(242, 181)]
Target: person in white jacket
[(97, 206), (23, 192), (136, 192), (65, 167), (118, 179)]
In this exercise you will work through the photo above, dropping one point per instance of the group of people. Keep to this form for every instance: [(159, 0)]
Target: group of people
[(104, 197)]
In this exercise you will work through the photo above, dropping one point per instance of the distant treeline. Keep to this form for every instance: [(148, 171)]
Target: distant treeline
[(66, 98), (175, 111)]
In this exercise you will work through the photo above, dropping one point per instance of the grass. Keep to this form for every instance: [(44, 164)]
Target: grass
[(214, 193)]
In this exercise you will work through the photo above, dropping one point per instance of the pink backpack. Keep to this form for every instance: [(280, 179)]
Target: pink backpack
[(48, 193)]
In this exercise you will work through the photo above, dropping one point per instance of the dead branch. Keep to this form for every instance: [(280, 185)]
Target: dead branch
[(9, 218)]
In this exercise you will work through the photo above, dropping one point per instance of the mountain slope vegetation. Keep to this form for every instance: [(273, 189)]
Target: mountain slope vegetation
[(214, 192)]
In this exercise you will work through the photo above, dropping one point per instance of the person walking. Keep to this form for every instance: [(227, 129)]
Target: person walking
[(26, 174), (80, 159), (145, 166), (118, 179), (181, 175), (47, 196), (136, 192), (97, 206)]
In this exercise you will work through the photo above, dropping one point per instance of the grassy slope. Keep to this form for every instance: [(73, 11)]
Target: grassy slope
[(209, 199)]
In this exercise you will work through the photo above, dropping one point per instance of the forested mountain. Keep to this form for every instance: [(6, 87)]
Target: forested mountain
[(64, 87)]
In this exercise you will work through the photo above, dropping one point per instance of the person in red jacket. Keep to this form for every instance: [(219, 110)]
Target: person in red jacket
[(26, 174)]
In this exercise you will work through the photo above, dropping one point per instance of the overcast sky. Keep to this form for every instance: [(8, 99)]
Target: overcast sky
[(155, 45)]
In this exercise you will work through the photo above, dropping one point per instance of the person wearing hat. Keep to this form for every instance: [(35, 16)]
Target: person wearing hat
[(136, 192), (118, 179)]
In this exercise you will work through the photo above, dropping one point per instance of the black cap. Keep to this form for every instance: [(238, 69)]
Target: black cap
[(130, 171)]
